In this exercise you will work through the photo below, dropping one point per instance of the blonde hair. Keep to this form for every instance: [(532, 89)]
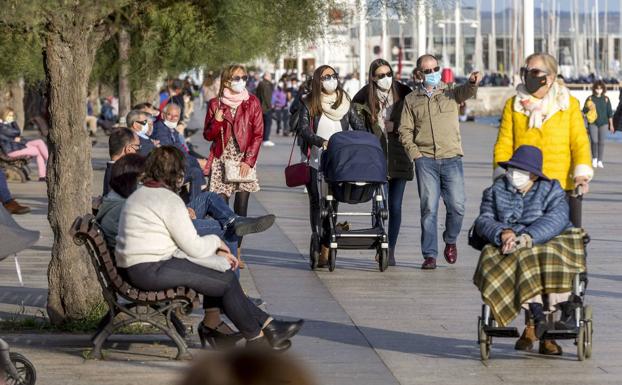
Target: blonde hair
[(6, 111), (227, 74), (550, 63)]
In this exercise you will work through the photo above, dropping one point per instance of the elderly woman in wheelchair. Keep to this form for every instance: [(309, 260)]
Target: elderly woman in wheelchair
[(531, 254)]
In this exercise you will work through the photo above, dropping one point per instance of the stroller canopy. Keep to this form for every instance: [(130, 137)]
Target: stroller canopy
[(354, 156)]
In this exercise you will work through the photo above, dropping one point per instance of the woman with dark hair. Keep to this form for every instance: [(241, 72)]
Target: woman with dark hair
[(325, 111), (234, 125), (125, 175), (159, 247), (598, 104), (380, 105)]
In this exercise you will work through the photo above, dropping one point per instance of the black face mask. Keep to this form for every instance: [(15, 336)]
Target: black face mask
[(534, 83)]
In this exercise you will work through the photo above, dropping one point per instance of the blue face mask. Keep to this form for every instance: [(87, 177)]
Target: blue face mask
[(433, 79)]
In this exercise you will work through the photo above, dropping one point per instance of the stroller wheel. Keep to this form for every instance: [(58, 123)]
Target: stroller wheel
[(26, 374), (383, 259), (314, 251), (332, 259)]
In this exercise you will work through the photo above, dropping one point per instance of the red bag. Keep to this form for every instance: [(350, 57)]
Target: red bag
[(298, 174)]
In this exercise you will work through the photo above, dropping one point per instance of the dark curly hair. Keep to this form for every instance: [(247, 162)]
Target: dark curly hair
[(599, 84), (165, 165)]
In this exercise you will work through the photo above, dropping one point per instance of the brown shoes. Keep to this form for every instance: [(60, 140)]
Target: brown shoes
[(527, 339), (15, 208), (550, 348), (323, 260), (429, 263), (451, 253)]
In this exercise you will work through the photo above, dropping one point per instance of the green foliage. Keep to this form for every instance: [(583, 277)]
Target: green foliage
[(20, 56)]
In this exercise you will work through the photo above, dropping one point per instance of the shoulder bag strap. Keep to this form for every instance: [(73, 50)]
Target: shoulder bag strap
[(289, 163)]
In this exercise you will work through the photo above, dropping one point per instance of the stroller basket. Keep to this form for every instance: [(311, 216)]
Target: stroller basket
[(353, 193)]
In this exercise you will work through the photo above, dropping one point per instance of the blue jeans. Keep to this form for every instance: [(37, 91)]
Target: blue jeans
[(209, 204), (267, 125), (436, 178), (194, 175), (395, 196), (5, 194)]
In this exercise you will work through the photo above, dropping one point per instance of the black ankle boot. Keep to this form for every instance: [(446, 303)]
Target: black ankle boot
[(537, 310), (391, 257), (567, 319), (277, 332)]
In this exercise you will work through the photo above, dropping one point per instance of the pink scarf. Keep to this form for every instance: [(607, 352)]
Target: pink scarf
[(232, 99)]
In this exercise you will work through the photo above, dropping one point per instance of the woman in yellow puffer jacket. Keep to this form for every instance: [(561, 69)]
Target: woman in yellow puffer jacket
[(544, 114)]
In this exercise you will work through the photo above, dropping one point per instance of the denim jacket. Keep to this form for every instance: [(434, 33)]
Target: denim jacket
[(542, 213)]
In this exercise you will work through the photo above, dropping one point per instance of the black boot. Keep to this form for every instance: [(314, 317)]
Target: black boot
[(568, 319), (277, 332), (391, 257), (537, 310), (244, 226)]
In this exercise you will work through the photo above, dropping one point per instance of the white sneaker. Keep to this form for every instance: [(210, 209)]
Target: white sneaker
[(268, 143), (600, 164), (305, 190), (594, 162)]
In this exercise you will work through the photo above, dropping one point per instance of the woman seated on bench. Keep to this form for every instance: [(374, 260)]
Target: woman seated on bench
[(14, 145), (532, 248), (159, 247)]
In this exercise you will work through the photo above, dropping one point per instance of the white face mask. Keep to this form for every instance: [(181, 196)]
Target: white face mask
[(169, 124), (238, 86), (385, 83), (330, 85), (518, 178), (144, 130)]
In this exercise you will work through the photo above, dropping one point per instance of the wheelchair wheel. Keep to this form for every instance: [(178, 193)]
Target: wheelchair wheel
[(581, 343), (484, 341), (314, 251), (25, 371), (332, 259), (383, 259), (587, 317)]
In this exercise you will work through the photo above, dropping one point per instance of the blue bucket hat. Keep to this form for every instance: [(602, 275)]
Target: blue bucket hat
[(527, 158)]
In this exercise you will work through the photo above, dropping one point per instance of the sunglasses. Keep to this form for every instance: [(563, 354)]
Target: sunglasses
[(431, 70), (384, 75), (238, 78), (532, 72), (142, 122), (328, 77)]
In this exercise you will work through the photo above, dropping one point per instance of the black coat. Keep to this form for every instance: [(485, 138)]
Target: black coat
[(8, 133), (308, 133), (399, 164)]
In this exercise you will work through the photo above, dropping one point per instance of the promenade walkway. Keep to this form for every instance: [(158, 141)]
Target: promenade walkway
[(404, 326)]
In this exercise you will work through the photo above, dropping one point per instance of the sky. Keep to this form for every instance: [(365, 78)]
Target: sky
[(613, 5)]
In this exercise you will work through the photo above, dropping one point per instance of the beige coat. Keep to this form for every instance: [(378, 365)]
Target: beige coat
[(429, 125)]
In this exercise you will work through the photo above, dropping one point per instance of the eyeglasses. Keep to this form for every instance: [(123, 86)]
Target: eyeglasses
[(533, 72), (384, 75), (238, 78), (135, 147), (431, 70), (328, 77)]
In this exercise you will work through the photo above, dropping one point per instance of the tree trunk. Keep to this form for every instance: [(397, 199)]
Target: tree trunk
[(17, 101), (124, 69), (68, 58)]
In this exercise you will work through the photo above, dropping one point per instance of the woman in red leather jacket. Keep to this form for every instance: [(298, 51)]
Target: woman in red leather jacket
[(234, 125)]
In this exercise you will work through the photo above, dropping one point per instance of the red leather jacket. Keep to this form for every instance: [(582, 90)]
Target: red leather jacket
[(247, 125)]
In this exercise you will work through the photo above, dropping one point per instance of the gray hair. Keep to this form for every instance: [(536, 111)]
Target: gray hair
[(169, 106), (134, 116)]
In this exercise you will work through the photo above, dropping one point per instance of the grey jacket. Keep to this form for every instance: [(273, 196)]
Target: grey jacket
[(108, 217)]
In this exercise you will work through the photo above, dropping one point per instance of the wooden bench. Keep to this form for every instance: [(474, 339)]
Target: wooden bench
[(16, 169), (128, 305)]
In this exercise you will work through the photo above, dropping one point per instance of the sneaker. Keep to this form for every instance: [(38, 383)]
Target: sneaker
[(594, 162), (600, 164), (268, 143)]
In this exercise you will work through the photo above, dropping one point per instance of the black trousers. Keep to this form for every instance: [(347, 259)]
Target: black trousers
[(219, 289)]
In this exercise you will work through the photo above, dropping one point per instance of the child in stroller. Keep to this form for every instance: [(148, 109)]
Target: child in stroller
[(531, 256), (354, 170), (14, 367)]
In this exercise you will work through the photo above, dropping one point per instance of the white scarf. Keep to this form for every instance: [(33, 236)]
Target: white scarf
[(540, 110), (327, 106)]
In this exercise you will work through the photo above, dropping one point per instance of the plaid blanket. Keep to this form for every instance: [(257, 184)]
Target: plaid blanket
[(507, 281)]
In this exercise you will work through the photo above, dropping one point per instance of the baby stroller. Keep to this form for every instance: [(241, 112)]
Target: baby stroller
[(487, 327), (354, 171), (15, 369)]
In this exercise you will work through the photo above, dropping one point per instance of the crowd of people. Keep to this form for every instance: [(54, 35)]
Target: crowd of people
[(165, 208)]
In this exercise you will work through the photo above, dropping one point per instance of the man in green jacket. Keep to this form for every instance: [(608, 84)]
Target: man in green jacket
[(430, 133)]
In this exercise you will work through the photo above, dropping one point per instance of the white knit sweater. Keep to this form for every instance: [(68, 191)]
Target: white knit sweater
[(155, 226)]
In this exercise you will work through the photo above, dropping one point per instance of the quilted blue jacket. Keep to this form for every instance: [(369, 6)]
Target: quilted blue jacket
[(543, 212)]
